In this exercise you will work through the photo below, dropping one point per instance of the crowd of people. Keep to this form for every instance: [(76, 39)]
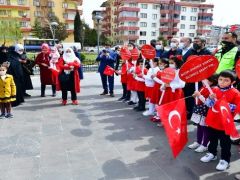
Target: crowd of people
[(143, 84), (59, 68)]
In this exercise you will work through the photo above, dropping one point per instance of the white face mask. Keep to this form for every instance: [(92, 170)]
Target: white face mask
[(158, 47), (161, 67), (173, 66), (68, 54), (173, 45), (2, 73), (130, 48), (20, 52), (182, 45)]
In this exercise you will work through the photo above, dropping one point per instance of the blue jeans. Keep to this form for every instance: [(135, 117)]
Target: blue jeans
[(107, 81)]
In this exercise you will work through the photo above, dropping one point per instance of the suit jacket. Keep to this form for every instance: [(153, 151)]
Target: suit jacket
[(104, 61)]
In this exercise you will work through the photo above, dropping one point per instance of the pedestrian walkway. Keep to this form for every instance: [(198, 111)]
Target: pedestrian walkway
[(100, 139)]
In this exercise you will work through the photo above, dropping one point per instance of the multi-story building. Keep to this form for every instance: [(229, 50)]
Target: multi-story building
[(140, 21), (27, 11)]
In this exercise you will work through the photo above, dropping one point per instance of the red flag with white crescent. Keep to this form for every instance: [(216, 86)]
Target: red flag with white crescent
[(174, 119)]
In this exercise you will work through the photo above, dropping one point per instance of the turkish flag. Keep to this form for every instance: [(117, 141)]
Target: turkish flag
[(233, 28), (109, 71), (227, 119), (174, 119)]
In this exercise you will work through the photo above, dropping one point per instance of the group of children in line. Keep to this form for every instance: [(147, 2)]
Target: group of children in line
[(141, 84)]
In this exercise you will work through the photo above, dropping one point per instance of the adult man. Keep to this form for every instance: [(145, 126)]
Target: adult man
[(229, 52), (186, 45), (106, 58), (174, 49), (197, 49)]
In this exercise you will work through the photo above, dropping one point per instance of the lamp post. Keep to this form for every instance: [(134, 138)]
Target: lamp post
[(53, 26), (83, 38), (98, 18)]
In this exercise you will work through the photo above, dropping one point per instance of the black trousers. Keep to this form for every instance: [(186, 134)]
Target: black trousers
[(73, 95), (107, 81), (124, 87), (141, 100), (225, 143), (43, 87)]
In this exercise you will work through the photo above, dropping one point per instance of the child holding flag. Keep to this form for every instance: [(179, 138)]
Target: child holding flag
[(224, 100)]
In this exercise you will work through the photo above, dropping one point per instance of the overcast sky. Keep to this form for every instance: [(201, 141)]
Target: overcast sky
[(226, 12)]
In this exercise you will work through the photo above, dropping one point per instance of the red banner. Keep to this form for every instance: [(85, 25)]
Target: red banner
[(198, 68), (237, 68), (168, 75), (125, 53), (135, 54), (109, 71), (148, 51)]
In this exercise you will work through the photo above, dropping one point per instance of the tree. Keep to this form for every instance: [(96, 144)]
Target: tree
[(78, 27), (44, 31), (10, 30), (164, 41)]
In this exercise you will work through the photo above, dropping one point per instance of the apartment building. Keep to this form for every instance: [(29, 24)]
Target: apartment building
[(27, 11), (140, 21)]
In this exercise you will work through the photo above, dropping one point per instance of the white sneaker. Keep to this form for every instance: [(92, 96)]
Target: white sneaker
[(147, 113), (194, 145), (222, 165), (201, 149), (208, 157)]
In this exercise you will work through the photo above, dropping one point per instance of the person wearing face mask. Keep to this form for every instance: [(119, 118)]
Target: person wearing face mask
[(174, 50), (229, 53), (7, 92), (46, 75), (159, 49), (118, 58), (15, 69), (68, 76), (185, 45)]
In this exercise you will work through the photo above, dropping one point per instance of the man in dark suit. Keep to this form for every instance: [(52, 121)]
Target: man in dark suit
[(106, 57), (186, 46), (174, 49)]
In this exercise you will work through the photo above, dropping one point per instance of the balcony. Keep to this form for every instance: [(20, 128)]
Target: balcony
[(123, 19), (203, 14), (25, 29), (174, 29), (164, 11), (167, 20), (203, 31), (163, 29), (128, 28), (14, 7), (129, 9), (204, 23), (129, 37)]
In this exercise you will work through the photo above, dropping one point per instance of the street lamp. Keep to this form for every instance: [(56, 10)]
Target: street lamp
[(83, 38), (98, 18), (53, 26)]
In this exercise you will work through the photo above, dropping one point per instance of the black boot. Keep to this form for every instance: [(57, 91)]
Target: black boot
[(53, 90), (43, 87)]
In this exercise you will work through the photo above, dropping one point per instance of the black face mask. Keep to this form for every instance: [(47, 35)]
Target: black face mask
[(196, 46), (226, 44)]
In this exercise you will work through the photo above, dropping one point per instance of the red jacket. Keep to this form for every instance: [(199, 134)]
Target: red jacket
[(140, 85), (124, 73), (231, 96), (66, 66)]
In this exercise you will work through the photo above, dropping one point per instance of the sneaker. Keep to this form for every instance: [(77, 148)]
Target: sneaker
[(194, 145), (237, 176), (131, 103), (208, 157), (2, 116), (201, 149), (147, 113), (74, 102), (53, 95), (121, 98), (112, 95), (222, 165), (159, 124), (9, 115), (64, 102), (104, 93), (27, 95)]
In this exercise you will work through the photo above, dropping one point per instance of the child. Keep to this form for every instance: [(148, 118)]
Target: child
[(140, 85), (149, 84), (199, 115), (155, 97), (131, 83), (123, 74), (54, 55), (225, 91), (7, 92)]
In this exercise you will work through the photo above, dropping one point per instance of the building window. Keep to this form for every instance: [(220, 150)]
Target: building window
[(144, 6), (3, 12), (143, 24), (143, 15), (184, 9), (194, 10), (154, 16), (50, 4), (181, 34), (21, 13), (193, 18), (132, 5), (143, 33), (183, 18), (65, 5), (37, 13), (155, 6), (132, 32), (191, 34), (192, 26), (21, 2), (132, 24), (182, 26), (154, 33), (2, 1), (142, 42), (154, 24), (23, 24)]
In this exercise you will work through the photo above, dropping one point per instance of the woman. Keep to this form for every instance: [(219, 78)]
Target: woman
[(68, 76), (46, 75)]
